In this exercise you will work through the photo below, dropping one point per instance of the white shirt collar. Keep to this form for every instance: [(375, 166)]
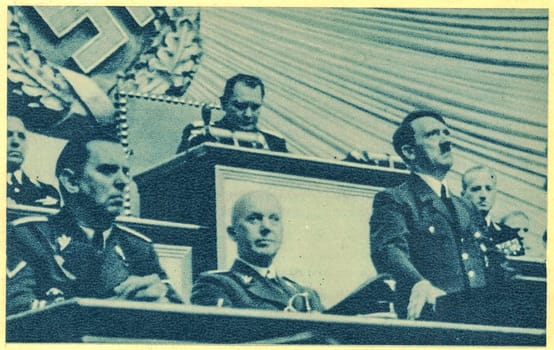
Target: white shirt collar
[(90, 233), (266, 272), (434, 183), (488, 219), (18, 175)]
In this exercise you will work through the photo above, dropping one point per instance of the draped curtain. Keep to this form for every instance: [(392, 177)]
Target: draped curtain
[(342, 79)]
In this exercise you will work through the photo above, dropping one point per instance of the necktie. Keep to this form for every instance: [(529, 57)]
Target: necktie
[(98, 240), (448, 201)]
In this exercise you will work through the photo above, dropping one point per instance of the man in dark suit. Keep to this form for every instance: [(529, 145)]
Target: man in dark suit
[(22, 189), (80, 252), (252, 281), (242, 101), (427, 238)]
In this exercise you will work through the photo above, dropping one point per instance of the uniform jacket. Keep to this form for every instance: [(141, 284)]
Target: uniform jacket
[(33, 192), (413, 237), (194, 134), (243, 287), (50, 257)]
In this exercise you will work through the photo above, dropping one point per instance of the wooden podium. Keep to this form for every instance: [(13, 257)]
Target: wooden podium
[(326, 209), (113, 321)]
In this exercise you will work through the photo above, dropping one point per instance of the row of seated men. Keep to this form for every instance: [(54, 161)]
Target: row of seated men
[(432, 242)]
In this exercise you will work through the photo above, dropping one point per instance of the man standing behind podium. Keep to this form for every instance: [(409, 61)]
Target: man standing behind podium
[(252, 282), (242, 101), (81, 252), (427, 238)]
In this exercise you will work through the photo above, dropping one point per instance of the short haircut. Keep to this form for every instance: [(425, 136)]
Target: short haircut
[(75, 154), (513, 214), (465, 180), (404, 135), (248, 80), (240, 203)]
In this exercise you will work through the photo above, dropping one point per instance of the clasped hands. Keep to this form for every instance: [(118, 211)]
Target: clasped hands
[(423, 292), (144, 288)]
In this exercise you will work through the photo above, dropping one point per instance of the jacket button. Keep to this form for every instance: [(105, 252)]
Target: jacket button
[(477, 235), (471, 274), (465, 256)]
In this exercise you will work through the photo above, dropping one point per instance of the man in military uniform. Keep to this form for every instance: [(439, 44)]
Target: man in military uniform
[(242, 101), (427, 238), (252, 281), (81, 252), (479, 187), (22, 189)]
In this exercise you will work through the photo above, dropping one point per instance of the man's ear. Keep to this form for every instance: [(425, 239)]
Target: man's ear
[(231, 231), (409, 152), (68, 180)]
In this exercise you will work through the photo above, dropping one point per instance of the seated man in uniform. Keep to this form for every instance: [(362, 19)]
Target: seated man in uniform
[(81, 252), (22, 189), (242, 101), (252, 281)]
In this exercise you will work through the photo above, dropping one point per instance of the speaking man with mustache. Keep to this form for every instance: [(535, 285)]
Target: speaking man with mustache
[(81, 251), (422, 234)]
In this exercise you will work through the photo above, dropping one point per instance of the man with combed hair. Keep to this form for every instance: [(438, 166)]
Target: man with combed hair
[(81, 252), (479, 187), (422, 234), (242, 101), (21, 188), (252, 282)]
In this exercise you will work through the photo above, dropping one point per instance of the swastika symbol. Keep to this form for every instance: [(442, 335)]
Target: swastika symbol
[(109, 38)]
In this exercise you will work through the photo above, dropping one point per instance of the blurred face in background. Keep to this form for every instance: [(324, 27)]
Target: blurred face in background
[(519, 222), (17, 143)]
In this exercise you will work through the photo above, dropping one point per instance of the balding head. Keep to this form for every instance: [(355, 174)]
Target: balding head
[(256, 227)]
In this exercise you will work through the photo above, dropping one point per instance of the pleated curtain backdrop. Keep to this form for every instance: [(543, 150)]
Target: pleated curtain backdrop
[(340, 79)]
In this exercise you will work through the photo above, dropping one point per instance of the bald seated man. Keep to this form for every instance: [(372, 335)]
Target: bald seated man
[(21, 188), (252, 281)]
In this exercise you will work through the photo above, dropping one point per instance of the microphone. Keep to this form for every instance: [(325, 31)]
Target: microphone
[(206, 114)]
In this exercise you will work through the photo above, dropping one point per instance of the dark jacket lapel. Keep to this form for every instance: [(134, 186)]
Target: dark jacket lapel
[(463, 215)]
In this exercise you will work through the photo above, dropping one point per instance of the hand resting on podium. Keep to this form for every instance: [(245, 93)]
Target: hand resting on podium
[(144, 288)]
